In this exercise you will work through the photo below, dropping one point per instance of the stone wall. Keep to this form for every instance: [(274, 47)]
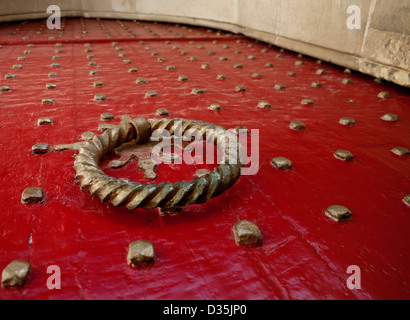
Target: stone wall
[(381, 47)]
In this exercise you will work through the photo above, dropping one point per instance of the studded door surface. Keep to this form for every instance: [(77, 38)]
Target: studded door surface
[(327, 137)]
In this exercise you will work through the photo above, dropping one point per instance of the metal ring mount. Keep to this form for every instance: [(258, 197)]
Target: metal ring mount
[(165, 195)]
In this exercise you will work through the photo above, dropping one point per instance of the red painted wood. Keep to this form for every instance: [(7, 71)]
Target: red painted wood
[(304, 254)]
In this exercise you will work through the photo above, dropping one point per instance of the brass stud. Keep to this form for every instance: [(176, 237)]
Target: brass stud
[(205, 66), (281, 163), (279, 86), (237, 51), (55, 57), (161, 60), (211, 52), (132, 70), (122, 54), (298, 63), (347, 81), (15, 274), (237, 66), (55, 65), (297, 125), (320, 71), (21, 58), (100, 97), (390, 117), (316, 84), (338, 213), (197, 91), (250, 57), (40, 147), (346, 121), (171, 68), (151, 94), (17, 66), (140, 253), (32, 195), (406, 199), (215, 106), (51, 86), (126, 61), (268, 65), (347, 70), (343, 155), (162, 112), (193, 58), (384, 95), (247, 234), (256, 75), (401, 151), (223, 58), (44, 121), (106, 116), (264, 105), (182, 78), (10, 76), (220, 77), (141, 80), (47, 101), (279, 56), (307, 101), (5, 89), (93, 72), (98, 84), (291, 73), (92, 63), (240, 88)]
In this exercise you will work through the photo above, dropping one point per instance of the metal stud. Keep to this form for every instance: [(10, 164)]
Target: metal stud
[(268, 65), (384, 95), (161, 59), (390, 117), (256, 75), (171, 68), (279, 86), (240, 88), (17, 66), (307, 101), (347, 121), (44, 121), (21, 58), (40, 147), (197, 91), (98, 84), (55, 57), (151, 94), (401, 151), (15, 274), (343, 155), (291, 73), (247, 234), (223, 58), (107, 116), (51, 86), (141, 80), (10, 76), (100, 97), (93, 72), (297, 125), (347, 81), (338, 213), (140, 253), (132, 70), (47, 101), (220, 77), (5, 89), (316, 84), (182, 78), (211, 52), (237, 66), (162, 112), (193, 58), (281, 163), (32, 195), (406, 199), (298, 63), (320, 71), (55, 65), (264, 105), (205, 66), (215, 106)]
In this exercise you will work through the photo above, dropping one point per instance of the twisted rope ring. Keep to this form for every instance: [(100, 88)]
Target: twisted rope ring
[(166, 195)]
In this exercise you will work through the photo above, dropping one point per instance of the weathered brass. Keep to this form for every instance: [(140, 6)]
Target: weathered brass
[(247, 234), (15, 274)]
